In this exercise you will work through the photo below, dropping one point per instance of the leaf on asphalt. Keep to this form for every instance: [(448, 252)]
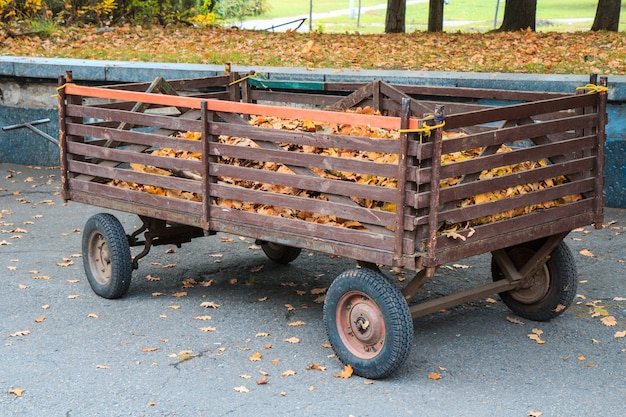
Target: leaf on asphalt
[(18, 392), (180, 294), (292, 340), (257, 268), (491, 300), (559, 308), (290, 307), (262, 381), (514, 320), (345, 373), (40, 319), (102, 367), (320, 299), (149, 349), (150, 278), (66, 262), (536, 336), (189, 283), (5, 243), (316, 367), (157, 294), (317, 291), (203, 318), (22, 286), (534, 414), (262, 334), (43, 277), (209, 304), (92, 316), (619, 335), (619, 299), (169, 266), (245, 376), (296, 323), (208, 329), (12, 268), (255, 357), (242, 389), (20, 333), (434, 376), (609, 321), (72, 281), (586, 252), (288, 373)]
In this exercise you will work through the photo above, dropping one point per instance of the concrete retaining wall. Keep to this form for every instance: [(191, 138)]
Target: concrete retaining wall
[(28, 89)]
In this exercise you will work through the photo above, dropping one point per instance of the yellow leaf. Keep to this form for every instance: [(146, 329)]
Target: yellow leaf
[(17, 392), (40, 319), (588, 253), (346, 373), (316, 367), (618, 335), (255, 357), (434, 376), (262, 381)]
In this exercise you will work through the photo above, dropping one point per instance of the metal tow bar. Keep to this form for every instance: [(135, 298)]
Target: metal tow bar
[(31, 126)]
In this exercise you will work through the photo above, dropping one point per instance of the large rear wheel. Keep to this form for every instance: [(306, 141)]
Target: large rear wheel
[(368, 323), (106, 256), (549, 292)]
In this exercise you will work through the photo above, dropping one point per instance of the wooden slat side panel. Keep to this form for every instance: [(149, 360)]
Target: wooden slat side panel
[(137, 119), (310, 205), (138, 198), (517, 203), (134, 137), (100, 171), (317, 139), (327, 233), (317, 184)]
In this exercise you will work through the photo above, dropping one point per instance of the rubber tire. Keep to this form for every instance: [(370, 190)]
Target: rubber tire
[(109, 278), (281, 254), (394, 312), (562, 286)]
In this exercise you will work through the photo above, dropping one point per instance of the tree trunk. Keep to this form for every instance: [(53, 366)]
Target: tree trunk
[(607, 15), (395, 17), (435, 16), (519, 15)]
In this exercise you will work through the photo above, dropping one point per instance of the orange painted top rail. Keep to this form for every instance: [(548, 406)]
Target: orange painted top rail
[(385, 122)]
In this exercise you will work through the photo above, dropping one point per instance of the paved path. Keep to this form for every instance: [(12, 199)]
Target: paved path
[(66, 352)]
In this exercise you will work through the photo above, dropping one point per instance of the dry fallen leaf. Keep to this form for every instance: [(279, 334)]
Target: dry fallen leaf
[(203, 318), (619, 335), (609, 321), (586, 252), (292, 340), (17, 392), (434, 376), (242, 389), (255, 357), (180, 294), (316, 367), (288, 373), (149, 349), (262, 381), (262, 334), (40, 319), (514, 320), (208, 329), (20, 333), (209, 304), (102, 367), (296, 323), (346, 373)]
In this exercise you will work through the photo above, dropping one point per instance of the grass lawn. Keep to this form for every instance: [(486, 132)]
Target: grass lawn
[(459, 15)]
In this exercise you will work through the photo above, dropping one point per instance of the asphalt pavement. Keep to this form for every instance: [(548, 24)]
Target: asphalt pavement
[(214, 328)]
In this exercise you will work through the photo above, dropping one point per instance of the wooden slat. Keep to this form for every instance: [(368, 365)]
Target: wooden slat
[(100, 171), (120, 156), (342, 211)]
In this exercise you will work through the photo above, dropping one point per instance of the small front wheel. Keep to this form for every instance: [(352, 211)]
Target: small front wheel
[(278, 253), (368, 323), (106, 256), (549, 291)]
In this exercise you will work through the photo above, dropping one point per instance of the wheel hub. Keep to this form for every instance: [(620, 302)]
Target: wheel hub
[(100, 259), (361, 325), (536, 287)]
